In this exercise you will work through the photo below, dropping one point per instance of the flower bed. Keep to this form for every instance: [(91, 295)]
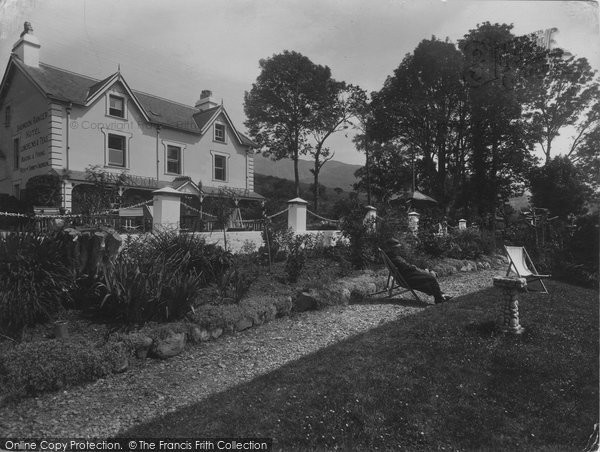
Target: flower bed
[(93, 350)]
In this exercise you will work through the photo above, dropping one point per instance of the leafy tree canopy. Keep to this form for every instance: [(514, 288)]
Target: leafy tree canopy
[(282, 104), (559, 187)]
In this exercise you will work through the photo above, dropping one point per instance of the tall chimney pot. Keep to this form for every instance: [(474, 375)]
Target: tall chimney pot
[(206, 100), (27, 48)]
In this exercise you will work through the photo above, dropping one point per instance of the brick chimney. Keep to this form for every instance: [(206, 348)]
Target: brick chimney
[(27, 48), (206, 100)]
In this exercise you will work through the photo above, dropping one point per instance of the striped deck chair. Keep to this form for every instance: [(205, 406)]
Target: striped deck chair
[(395, 281), (522, 265)]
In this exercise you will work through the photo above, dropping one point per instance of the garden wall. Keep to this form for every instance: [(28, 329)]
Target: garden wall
[(237, 239)]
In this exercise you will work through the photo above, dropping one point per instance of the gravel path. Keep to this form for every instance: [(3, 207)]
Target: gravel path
[(118, 402)]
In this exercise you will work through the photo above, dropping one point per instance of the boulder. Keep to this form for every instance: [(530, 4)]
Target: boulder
[(141, 344), (119, 357), (306, 301), (243, 324), (284, 306), (198, 334), (270, 313), (173, 345), (216, 333)]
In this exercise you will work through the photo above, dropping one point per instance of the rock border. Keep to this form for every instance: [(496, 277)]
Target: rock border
[(208, 323)]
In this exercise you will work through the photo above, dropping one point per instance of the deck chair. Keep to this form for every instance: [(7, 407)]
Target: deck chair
[(519, 260), (395, 281)]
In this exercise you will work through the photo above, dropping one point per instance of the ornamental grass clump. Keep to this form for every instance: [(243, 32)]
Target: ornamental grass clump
[(36, 280), (150, 290), (160, 278)]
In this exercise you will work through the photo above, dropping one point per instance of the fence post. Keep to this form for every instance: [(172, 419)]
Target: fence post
[(413, 222), (370, 219), (166, 209), (297, 214)]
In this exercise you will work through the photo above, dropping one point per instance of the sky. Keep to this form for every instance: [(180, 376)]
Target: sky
[(175, 49)]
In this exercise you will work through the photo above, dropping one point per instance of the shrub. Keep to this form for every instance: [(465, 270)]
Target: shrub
[(235, 283), (36, 279), (296, 258), (137, 292), (462, 244), (568, 252), (436, 245), (35, 367), (186, 251), (472, 243), (358, 233)]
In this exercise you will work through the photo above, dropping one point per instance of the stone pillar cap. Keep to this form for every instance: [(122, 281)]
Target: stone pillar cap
[(510, 282), (167, 191), (297, 201)]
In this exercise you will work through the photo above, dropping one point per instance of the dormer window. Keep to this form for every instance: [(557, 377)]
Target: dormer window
[(220, 133), (116, 106)]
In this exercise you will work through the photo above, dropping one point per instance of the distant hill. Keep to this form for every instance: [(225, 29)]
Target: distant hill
[(333, 174)]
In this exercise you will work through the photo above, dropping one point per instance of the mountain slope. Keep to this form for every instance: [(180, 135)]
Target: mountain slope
[(333, 174)]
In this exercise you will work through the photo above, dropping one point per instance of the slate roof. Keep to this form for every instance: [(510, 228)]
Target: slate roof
[(69, 86)]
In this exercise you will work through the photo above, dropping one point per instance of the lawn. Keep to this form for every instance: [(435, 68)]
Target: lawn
[(439, 380)]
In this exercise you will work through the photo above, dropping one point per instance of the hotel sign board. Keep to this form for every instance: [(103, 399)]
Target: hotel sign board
[(33, 143)]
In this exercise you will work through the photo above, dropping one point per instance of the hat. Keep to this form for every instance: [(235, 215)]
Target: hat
[(393, 242)]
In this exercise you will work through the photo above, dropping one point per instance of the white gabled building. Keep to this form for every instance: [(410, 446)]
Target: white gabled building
[(54, 120)]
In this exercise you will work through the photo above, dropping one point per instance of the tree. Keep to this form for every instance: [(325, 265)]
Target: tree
[(500, 155), (584, 151), (559, 187), (282, 103), (390, 171), (423, 106), (101, 192), (44, 190), (560, 97), (342, 105)]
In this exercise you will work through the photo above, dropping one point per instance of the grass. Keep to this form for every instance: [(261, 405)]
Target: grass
[(440, 380)]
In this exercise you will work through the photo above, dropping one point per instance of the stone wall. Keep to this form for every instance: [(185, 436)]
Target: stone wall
[(237, 240)]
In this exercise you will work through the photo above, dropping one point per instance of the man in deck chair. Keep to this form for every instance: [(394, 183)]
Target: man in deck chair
[(417, 279), (519, 257)]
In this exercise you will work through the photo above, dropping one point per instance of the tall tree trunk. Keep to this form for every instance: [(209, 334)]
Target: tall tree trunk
[(368, 173), (316, 185), (296, 174)]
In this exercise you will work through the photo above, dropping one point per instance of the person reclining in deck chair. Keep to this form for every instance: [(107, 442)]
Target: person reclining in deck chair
[(417, 279)]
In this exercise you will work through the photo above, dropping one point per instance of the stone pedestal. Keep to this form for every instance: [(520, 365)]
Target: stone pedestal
[(297, 215), (166, 209), (413, 222), (508, 321), (370, 220)]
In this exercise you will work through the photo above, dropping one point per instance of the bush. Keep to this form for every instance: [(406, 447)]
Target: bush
[(136, 292), (568, 252), (472, 243), (35, 367), (296, 258), (187, 251), (36, 280), (574, 254), (236, 282), (462, 244)]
